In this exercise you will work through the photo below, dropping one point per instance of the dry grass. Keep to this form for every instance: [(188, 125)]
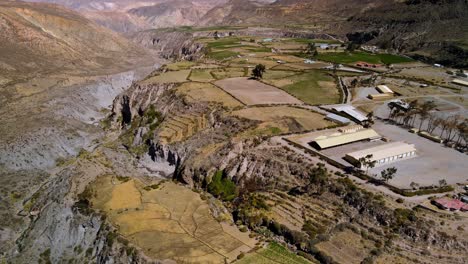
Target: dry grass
[(181, 65), (171, 222), (282, 119), (169, 77), (252, 61), (459, 100), (228, 73), (124, 196), (346, 247), (206, 92), (201, 75), (252, 92)]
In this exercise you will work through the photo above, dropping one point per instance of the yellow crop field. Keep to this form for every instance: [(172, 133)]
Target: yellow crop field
[(228, 73), (181, 65), (207, 92), (170, 222), (201, 75), (169, 77), (124, 196), (306, 119)]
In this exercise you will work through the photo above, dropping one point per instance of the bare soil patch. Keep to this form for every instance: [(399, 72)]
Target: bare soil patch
[(252, 92)]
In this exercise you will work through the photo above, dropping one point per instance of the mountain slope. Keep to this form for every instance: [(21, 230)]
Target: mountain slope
[(433, 30), (40, 38), (131, 16)]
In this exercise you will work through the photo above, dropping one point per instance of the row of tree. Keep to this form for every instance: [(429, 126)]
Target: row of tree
[(452, 128)]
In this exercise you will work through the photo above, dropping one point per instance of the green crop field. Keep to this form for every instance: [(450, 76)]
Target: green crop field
[(351, 57), (273, 253), (222, 55), (311, 87), (224, 43)]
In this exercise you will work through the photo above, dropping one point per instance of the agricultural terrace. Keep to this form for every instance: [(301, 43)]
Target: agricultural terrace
[(222, 78), (168, 221), (273, 253), (283, 119)]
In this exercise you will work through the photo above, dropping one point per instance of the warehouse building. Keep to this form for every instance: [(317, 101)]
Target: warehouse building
[(383, 89), (338, 119), (460, 82), (350, 112), (338, 139), (383, 154)]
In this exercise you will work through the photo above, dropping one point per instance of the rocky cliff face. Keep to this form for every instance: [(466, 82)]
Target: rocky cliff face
[(172, 44)]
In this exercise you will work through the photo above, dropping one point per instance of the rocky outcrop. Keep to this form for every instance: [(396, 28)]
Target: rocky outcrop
[(170, 44)]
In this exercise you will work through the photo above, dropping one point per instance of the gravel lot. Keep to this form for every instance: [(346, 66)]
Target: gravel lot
[(433, 163)]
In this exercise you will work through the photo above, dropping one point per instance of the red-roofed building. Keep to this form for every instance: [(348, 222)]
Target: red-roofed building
[(451, 204)]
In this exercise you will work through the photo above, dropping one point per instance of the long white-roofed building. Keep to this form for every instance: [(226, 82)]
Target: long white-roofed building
[(383, 154), (350, 112), (384, 89), (340, 138)]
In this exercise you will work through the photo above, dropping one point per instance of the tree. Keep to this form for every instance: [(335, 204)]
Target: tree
[(424, 111), (258, 71), (216, 36), (312, 50), (442, 183), (414, 185), (370, 120), (388, 174), (367, 162), (352, 46)]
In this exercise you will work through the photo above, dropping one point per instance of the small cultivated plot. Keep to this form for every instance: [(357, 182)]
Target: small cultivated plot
[(312, 87), (181, 65), (284, 118), (252, 92), (277, 74), (273, 253), (287, 58), (167, 221), (352, 57), (252, 61), (222, 54), (169, 77), (201, 75), (207, 92), (346, 247), (223, 43), (228, 73)]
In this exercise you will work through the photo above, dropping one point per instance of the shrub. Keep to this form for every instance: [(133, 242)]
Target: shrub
[(222, 187), (400, 200)]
